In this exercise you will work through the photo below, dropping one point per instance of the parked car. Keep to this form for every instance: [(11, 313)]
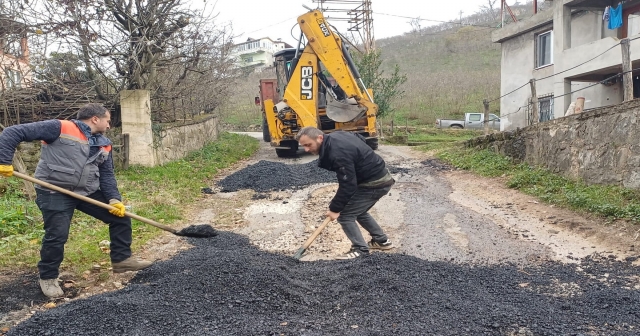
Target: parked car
[(471, 121)]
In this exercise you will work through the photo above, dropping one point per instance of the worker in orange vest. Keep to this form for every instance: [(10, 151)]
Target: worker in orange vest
[(75, 155)]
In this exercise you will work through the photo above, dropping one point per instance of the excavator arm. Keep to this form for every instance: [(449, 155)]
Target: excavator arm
[(349, 104), (327, 47), (332, 52)]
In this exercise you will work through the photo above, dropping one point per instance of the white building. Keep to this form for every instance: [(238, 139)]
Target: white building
[(565, 50), (257, 52)]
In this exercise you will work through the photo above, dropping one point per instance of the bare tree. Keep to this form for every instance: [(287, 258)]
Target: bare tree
[(176, 52), (490, 9)]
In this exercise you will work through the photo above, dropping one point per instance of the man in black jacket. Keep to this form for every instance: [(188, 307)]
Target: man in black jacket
[(363, 179)]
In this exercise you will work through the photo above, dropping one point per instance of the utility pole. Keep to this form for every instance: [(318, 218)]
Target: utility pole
[(461, 17), (502, 13), (534, 102), (486, 116), (360, 18), (627, 75)]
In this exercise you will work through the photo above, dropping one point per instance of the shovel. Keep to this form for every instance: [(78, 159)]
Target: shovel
[(315, 234), (197, 231)]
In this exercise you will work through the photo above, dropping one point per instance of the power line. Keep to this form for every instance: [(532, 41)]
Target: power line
[(574, 91), (432, 20), (581, 64), (269, 26), (506, 94), (457, 32), (561, 72)]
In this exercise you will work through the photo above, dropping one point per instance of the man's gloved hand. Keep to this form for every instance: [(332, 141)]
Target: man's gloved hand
[(6, 170), (119, 208)]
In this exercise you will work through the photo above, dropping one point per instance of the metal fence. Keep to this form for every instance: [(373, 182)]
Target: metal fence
[(120, 151), (545, 109), (165, 109)]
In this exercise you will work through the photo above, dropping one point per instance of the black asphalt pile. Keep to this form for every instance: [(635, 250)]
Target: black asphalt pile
[(275, 176), (18, 291), (398, 170), (198, 231), (225, 286), (437, 165)]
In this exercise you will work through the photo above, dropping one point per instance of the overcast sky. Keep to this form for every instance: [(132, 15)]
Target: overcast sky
[(275, 18)]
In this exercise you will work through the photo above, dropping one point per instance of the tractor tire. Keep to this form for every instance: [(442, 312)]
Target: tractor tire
[(373, 143), (285, 153), (266, 136), (292, 151)]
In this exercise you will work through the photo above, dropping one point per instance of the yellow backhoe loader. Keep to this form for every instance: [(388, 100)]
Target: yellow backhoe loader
[(317, 85)]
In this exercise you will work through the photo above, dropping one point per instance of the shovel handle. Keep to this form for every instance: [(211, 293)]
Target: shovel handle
[(316, 233), (92, 201)]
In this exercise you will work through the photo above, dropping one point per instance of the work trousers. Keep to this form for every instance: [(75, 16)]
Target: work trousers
[(57, 210), (358, 209)]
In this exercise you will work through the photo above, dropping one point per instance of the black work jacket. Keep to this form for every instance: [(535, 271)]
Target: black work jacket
[(354, 162)]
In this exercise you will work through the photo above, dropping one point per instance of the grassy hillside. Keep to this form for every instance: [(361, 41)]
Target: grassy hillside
[(447, 74), (240, 111)]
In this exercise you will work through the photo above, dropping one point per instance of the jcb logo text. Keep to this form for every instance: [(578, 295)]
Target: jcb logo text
[(306, 83), (324, 28)]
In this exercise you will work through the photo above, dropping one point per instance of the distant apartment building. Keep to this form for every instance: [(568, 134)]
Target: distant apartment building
[(257, 53), (15, 71)]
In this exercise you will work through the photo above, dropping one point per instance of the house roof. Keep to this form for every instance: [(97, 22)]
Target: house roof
[(521, 27)]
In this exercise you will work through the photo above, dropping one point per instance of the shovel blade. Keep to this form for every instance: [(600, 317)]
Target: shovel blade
[(299, 254), (343, 112)]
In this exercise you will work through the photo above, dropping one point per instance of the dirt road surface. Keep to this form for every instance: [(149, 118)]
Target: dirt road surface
[(472, 257)]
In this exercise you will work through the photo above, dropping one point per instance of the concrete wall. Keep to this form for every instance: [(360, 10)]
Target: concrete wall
[(598, 146), (150, 147), (136, 121), (178, 141)]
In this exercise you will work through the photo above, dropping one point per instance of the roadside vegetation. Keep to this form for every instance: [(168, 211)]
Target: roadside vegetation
[(611, 202), (161, 193), (444, 135)]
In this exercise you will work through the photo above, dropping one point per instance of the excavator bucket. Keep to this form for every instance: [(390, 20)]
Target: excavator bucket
[(343, 112)]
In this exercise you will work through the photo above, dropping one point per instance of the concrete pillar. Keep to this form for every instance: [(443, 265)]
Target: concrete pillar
[(561, 42), (136, 120)]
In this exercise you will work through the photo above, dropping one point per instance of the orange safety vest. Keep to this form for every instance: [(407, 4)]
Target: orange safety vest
[(66, 162)]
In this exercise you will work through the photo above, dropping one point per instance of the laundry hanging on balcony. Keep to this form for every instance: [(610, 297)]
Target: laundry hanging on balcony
[(605, 16), (615, 17)]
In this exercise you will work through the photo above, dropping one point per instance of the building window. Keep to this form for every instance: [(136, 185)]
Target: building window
[(630, 21), (248, 59), (545, 105), (13, 78), (633, 23), (544, 49)]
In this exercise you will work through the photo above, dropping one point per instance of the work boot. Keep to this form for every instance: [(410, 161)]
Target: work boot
[(130, 264), (352, 254), (51, 288), (386, 245)]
